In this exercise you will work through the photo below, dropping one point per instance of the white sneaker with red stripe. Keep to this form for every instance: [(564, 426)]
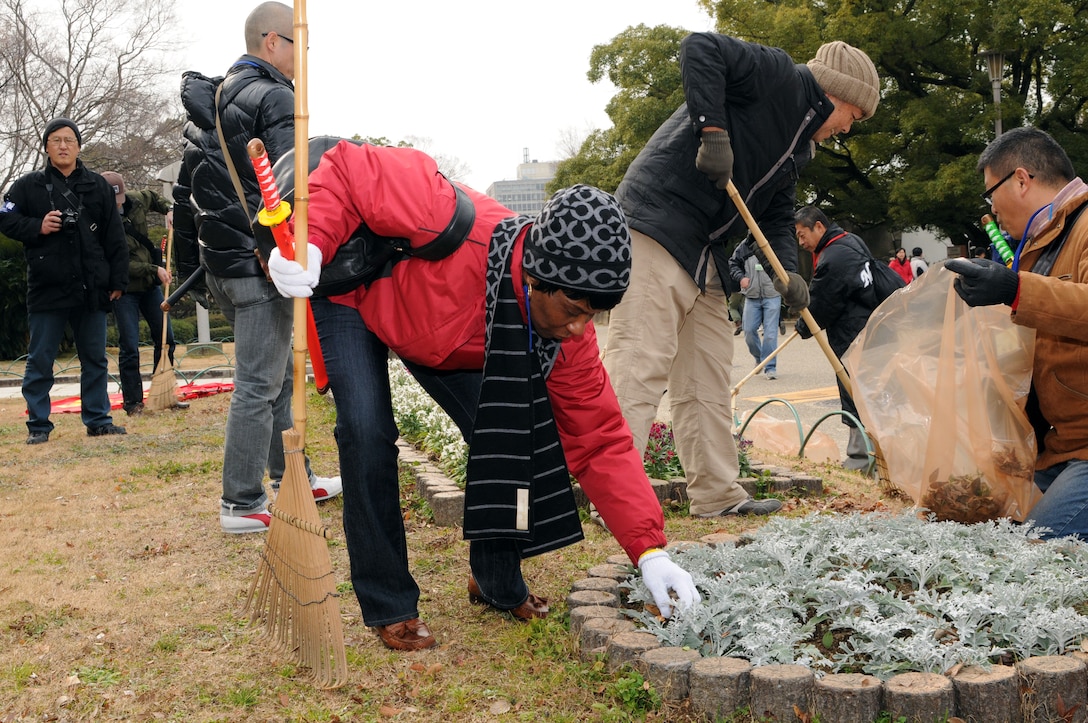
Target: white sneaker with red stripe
[(256, 521), (324, 488)]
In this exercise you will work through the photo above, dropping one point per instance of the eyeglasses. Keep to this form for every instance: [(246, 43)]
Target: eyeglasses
[(288, 38), (989, 192), (69, 141)]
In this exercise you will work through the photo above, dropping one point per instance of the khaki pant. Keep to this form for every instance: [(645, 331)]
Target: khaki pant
[(667, 335)]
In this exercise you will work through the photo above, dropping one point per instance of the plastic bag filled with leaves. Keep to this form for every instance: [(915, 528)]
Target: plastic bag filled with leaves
[(942, 387)]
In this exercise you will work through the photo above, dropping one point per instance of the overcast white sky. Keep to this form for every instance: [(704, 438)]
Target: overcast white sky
[(481, 79)]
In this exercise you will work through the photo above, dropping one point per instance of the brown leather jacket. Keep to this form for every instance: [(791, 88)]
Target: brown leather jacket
[(1056, 306)]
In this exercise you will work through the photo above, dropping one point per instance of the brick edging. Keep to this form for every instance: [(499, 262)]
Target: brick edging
[(1039, 688)]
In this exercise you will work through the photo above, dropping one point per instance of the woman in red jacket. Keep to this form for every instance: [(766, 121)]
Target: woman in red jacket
[(500, 333), (901, 265)]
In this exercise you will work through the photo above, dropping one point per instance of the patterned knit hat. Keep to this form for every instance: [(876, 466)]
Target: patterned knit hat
[(847, 73), (580, 242)]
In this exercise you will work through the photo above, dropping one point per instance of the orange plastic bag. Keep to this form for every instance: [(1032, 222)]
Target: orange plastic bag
[(942, 387), (782, 437)]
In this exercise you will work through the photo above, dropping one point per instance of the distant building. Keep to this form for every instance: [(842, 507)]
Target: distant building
[(526, 195)]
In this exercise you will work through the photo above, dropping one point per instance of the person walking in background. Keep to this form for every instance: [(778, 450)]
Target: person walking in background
[(77, 265), (918, 264), (1037, 197), (900, 264), (762, 304), (500, 333), (146, 277), (257, 101), (672, 329), (841, 299)]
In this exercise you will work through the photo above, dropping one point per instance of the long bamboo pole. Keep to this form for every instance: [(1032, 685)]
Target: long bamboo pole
[(302, 204)]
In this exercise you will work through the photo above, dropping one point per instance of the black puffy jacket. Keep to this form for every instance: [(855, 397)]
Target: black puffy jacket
[(771, 108), (257, 102), (67, 269)]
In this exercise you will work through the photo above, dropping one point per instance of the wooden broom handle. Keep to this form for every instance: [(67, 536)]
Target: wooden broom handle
[(302, 204), (765, 246)]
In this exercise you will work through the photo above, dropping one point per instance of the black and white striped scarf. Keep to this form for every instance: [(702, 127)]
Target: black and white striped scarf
[(517, 485)]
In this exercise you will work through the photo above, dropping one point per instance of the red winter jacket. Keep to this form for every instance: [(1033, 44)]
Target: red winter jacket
[(432, 313), (903, 269)]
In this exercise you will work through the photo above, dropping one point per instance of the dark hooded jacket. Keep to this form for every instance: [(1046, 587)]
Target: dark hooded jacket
[(842, 295), (67, 269), (257, 101), (771, 108)]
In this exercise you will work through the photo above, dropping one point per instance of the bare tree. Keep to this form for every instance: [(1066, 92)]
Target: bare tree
[(451, 167), (571, 140), (102, 63)]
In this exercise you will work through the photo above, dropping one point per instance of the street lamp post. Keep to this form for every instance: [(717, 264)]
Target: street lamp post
[(995, 64)]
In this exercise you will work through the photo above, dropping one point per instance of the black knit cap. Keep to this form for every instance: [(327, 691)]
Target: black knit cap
[(580, 242), (52, 126)]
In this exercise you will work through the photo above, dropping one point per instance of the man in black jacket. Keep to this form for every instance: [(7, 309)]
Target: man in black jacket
[(77, 265), (841, 299), (254, 100), (146, 277), (672, 329)]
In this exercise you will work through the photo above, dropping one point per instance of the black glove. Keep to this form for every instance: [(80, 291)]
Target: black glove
[(794, 295), (200, 296), (983, 282), (802, 328), (715, 157)]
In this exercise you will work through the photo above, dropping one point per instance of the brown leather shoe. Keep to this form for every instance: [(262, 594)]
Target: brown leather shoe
[(533, 607), (407, 635)]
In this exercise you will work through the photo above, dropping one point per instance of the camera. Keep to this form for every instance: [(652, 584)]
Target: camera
[(69, 221)]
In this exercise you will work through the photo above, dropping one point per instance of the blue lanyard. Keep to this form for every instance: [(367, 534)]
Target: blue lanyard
[(1020, 246)]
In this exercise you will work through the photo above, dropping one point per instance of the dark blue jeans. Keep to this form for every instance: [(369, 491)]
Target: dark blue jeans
[(357, 363), (127, 311), (46, 332)]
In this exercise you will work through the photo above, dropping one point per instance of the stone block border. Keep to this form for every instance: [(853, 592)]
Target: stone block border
[(446, 499), (1044, 688)]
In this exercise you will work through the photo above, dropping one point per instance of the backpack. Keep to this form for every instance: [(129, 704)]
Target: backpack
[(885, 281), (365, 256)]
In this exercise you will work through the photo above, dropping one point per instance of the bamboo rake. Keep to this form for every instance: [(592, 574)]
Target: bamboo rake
[(164, 383), (294, 592), (820, 335)]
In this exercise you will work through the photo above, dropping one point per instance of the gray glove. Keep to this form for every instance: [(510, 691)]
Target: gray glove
[(715, 157), (794, 295)]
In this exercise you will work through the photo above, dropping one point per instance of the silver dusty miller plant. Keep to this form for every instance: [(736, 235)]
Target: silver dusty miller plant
[(880, 594)]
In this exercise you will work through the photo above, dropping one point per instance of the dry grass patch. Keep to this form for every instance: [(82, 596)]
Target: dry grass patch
[(120, 599)]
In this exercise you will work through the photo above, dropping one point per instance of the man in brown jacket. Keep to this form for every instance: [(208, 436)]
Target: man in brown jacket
[(1037, 197)]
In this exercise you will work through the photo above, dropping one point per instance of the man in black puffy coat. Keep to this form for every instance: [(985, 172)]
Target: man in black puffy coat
[(77, 265), (255, 100), (751, 116), (841, 299)]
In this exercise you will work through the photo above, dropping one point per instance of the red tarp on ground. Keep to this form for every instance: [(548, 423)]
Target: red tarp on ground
[(70, 405)]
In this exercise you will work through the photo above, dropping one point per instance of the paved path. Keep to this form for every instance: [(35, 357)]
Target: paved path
[(805, 380)]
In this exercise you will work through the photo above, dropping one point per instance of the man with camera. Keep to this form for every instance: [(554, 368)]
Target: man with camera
[(77, 266)]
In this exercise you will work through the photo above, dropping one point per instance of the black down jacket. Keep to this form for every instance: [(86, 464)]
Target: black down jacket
[(257, 102), (771, 108), (67, 269)]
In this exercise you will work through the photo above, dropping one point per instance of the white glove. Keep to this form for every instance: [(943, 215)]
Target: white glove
[(290, 278), (660, 574)]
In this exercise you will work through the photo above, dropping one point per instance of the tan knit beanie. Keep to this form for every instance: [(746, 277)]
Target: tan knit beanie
[(847, 73)]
